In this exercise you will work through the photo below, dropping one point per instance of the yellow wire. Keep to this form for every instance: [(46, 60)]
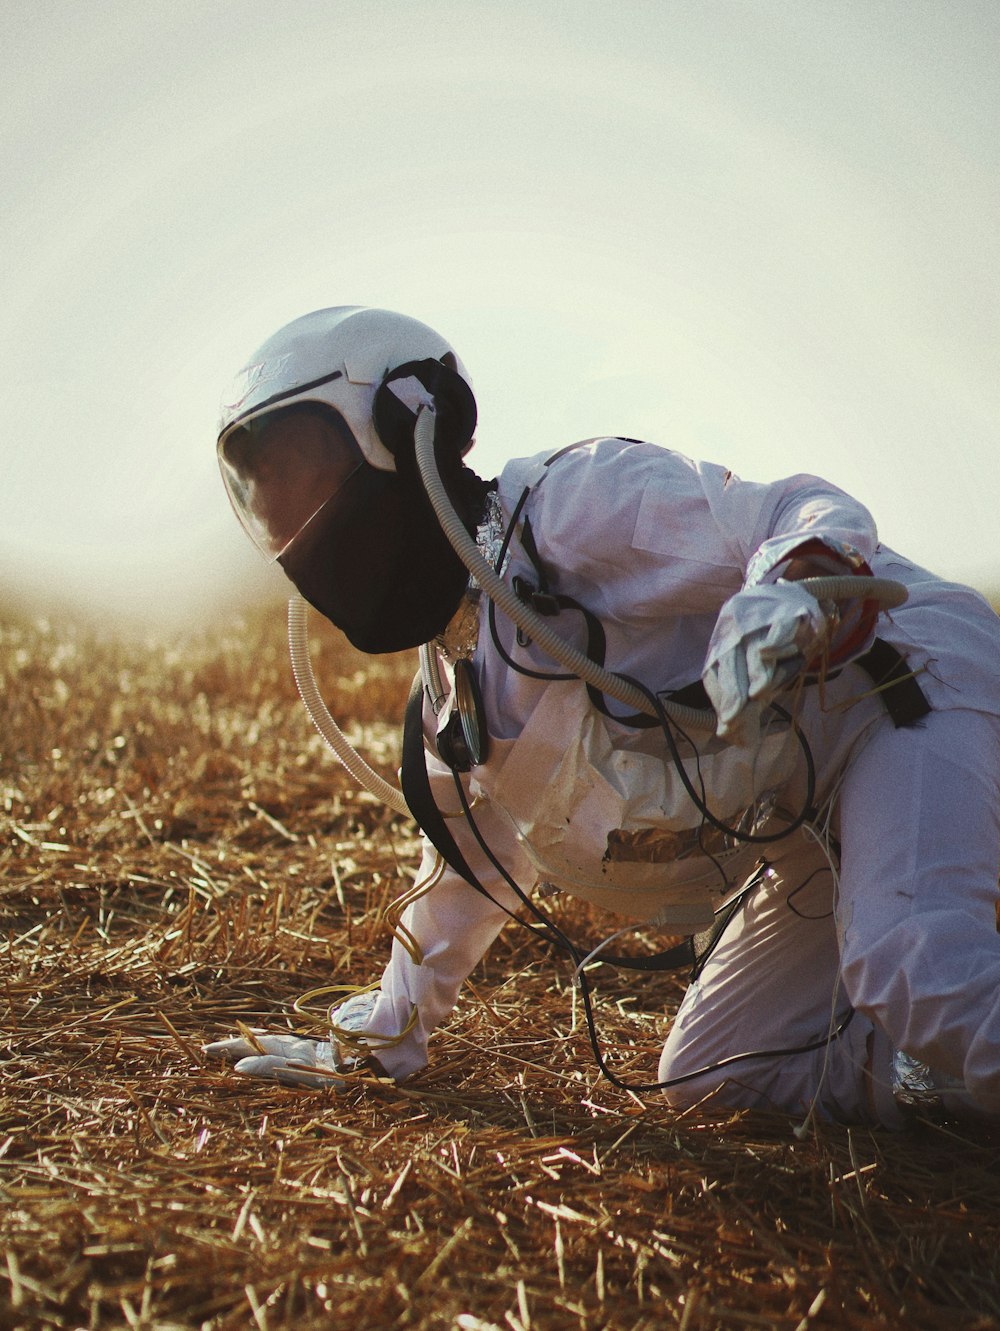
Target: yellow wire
[(874, 692), (391, 915)]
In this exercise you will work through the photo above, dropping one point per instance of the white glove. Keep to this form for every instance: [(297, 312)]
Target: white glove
[(763, 637), (295, 1060), (290, 1059)]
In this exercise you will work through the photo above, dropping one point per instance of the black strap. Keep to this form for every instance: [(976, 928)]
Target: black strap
[(672, 959), (548, 604), (900, 693), (417, 787)]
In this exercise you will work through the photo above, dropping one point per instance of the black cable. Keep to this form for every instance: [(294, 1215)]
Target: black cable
[(557, 936), (548, 928), (666, 726), (751, 838), (789, 900)]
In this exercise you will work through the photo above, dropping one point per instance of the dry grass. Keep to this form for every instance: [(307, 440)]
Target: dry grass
[(179, 855)]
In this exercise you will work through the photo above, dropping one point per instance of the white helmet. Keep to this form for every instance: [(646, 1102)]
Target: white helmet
[(338, 358)]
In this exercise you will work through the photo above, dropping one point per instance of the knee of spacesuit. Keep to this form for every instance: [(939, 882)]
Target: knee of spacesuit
[(751, 1085), (688, 1077), (845, 1077), (677, 1063), (697, 1065)]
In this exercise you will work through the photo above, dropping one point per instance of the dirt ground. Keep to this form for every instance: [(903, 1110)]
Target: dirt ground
[(178, 855)]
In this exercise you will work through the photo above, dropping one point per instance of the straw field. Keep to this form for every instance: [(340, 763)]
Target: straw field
[(179, 855)]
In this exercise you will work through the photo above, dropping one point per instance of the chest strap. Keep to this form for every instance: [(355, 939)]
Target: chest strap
[(417, 787), (901, 695)]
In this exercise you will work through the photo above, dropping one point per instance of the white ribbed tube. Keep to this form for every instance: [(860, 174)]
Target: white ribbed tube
[(887, 592), (336, 740)]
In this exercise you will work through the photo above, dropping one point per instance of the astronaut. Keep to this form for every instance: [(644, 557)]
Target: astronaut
[(840, 816)]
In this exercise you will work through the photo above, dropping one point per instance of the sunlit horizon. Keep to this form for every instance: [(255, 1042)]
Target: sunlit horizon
[(758, 234)]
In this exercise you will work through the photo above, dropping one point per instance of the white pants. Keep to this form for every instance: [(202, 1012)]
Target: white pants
[(907, 941)]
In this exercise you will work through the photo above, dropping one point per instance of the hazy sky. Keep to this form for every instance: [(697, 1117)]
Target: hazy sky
[(764, 233)]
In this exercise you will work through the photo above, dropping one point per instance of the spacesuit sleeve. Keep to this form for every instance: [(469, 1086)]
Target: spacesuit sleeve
[(453, 925), (824, 531), (781, 520), (638, 532)]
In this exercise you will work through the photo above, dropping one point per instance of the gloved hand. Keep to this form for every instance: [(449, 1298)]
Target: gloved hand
[(295, 1060), (763, 638), (292, 1060)]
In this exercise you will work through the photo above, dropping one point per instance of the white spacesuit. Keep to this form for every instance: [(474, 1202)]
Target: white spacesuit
[(871, 929), (654, 544)]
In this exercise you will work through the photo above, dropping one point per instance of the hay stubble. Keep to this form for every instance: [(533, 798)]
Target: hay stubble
[(179, 856)]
